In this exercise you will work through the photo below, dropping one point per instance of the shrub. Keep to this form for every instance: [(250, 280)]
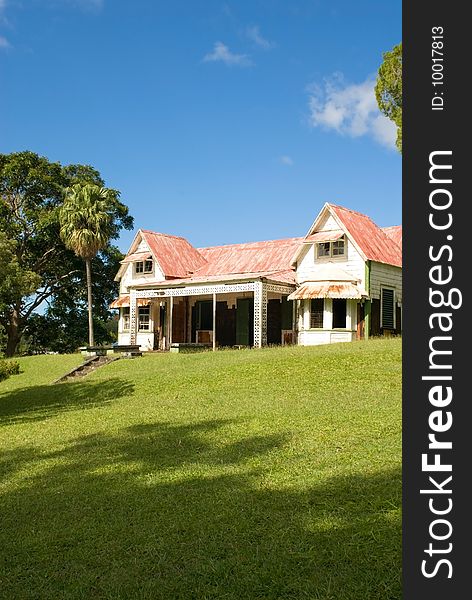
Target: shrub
[(8, 367)]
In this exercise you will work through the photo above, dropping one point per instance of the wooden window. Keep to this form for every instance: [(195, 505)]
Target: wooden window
[(143, 318), (327, 249), (387, 311), (324, 249), (125, 315), (316, 313), (143, 266), (339, 313), (338, 248)]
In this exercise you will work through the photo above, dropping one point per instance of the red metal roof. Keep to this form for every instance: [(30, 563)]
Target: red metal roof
[(123, 301), (253, 257), (371, 239), (175, 255), (395, 234), (328, 289)]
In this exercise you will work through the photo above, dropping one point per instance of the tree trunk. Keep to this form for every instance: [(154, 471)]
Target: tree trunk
[(89, 299), (13, 334)]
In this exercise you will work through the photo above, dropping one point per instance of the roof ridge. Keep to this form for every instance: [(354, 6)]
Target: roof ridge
[(354, 212), (170, 235), (250, 243)]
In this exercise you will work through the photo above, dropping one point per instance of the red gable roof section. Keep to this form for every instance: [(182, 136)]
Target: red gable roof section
[(371, 239), (175, 255), (253, 257), (395, 234)]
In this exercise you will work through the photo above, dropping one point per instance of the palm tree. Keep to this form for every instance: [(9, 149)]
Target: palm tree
[(86, 221)]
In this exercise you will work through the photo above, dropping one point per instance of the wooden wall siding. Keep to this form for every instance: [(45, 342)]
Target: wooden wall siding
[(328, 223), (388, 276), (274, 322), (352, 263)]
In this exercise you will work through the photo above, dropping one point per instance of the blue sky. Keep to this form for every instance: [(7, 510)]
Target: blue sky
[(222, 122)]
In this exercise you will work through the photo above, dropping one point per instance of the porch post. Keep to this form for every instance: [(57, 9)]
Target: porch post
[(260, 314), (171, 311), (132, 316), (214, 321)]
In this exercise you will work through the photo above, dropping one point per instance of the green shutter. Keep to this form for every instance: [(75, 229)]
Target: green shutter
[(388, 308)]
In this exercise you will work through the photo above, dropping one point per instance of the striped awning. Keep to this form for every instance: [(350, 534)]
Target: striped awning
[(124, 302), (324, 236), (328, 289), (136, 257)]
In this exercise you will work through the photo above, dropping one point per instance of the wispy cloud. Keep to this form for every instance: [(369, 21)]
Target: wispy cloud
[(350, 109), (254, 34), (4, 43), (286, 160), (221, 53)]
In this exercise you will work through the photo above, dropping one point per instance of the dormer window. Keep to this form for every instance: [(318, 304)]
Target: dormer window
[(144, 266), (331, 249), (338, 248)]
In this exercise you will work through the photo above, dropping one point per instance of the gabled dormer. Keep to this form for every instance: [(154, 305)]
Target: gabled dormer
[(328, 241)]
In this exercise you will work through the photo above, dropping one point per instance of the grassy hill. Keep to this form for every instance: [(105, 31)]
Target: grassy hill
[(252, 474)]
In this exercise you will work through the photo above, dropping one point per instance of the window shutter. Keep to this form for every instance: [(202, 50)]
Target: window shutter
[(388, 309)]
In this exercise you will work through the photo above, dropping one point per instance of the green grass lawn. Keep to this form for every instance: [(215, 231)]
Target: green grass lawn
[(268, 474)]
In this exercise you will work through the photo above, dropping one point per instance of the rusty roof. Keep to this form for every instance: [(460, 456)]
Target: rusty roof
[(373, 242), (252, 257), (124, 301), (175, 255), (178, 259), (395, 234), (328, 289)]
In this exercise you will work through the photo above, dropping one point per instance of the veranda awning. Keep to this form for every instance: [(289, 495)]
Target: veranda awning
[(124, 302), (136, 257), (328, 289), (324, 236)]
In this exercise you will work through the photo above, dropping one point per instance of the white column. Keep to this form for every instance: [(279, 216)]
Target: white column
[(328, 314), (171, 310), (260, 314), (214, 322), (133, 314), (306, 313)]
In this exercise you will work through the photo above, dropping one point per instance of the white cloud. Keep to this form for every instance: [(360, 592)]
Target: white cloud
[(286, 160), (221, 53), (254, 34), (4, 43), (350, 110)]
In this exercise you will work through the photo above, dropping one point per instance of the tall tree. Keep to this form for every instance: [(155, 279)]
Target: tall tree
[(41, 267), (86, 220), (388, 89)]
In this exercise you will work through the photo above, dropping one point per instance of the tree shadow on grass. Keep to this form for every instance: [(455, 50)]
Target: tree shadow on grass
[(35, 403), (173, 512)]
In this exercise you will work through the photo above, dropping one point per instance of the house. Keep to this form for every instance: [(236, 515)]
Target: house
[(342, 281)]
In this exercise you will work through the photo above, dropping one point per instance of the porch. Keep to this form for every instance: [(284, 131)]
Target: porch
[(252, 314)]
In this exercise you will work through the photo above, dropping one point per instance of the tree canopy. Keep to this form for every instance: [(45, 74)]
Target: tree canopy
[(86, 224), (40, 267), (388, 89)]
